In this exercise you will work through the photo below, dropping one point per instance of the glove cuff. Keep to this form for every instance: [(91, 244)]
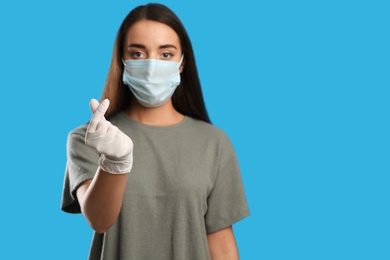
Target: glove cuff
[(116, 166)]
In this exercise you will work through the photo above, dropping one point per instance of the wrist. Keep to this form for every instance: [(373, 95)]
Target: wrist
[(116, 166)]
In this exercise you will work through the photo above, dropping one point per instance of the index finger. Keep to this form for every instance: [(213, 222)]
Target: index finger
[(98, 115)]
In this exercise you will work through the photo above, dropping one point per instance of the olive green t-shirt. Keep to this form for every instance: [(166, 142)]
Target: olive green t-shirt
[(185, 183)]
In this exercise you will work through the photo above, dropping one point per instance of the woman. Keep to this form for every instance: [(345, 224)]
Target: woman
[(175, 195)]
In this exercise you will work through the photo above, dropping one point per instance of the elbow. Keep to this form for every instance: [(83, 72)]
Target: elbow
[(99, 227), (99, 218), (98, 222)]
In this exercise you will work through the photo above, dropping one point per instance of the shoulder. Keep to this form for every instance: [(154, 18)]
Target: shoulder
[(82, 129), (207, 128), (211, 133), (78, 132), (76, 147)]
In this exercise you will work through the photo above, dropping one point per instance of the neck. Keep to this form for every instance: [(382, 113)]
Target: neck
[(163, 115)]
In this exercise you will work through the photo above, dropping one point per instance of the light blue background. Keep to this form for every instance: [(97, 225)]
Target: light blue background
[(301, 87)]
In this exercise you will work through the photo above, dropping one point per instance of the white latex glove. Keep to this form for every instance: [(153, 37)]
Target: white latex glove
[(115, 147)]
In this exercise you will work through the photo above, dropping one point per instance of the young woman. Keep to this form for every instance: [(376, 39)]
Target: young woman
[(150, 173)]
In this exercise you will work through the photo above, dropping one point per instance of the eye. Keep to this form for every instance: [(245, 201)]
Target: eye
[(166, 55), (137, 55)]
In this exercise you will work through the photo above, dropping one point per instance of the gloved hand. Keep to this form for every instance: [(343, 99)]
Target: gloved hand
[(115, 147)]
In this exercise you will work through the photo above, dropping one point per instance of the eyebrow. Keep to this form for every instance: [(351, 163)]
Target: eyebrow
[(165, 46)]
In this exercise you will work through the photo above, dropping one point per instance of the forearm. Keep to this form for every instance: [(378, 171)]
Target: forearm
[(101, 200)]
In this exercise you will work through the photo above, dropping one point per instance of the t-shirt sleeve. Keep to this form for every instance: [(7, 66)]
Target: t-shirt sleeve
[(227, 202), (81, 165)]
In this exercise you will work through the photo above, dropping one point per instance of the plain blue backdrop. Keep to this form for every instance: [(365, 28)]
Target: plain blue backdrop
[(301, 88)]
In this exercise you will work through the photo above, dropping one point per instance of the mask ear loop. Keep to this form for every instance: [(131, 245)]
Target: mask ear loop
[(181, 60)]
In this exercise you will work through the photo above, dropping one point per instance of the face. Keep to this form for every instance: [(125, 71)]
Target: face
[(147, 39)]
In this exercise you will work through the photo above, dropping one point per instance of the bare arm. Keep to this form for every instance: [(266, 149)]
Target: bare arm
[(101, 199), (222, 245)]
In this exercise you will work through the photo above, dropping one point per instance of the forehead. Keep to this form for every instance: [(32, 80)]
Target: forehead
[(148, 33)]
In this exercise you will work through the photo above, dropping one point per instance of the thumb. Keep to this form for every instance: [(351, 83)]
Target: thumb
[(93, 105), (99, 109), (98, 112)]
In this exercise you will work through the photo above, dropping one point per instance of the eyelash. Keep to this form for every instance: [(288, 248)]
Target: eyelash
[(138, 55), (165, 53)]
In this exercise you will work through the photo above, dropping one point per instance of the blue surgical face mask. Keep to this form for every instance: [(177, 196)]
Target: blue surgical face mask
[(152, 82)]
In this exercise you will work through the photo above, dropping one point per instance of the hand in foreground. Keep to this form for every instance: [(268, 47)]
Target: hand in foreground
[(115, 147)]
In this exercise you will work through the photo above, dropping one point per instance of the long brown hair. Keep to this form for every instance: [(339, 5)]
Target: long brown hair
[(188, 97)]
